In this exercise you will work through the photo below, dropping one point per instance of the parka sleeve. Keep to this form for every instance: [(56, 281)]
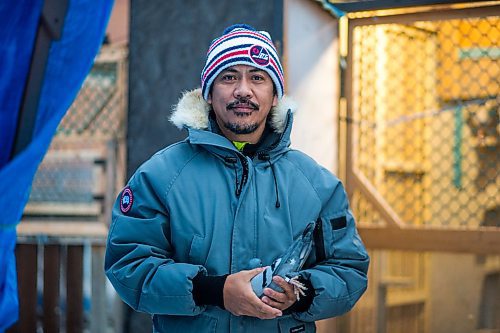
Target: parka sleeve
[(339, 275), (138, 260)]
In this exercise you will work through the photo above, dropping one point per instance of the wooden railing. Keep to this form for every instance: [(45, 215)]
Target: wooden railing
[(61, 279), (60, 254)]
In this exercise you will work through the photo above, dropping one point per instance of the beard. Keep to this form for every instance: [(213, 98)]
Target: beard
[(237, 128)]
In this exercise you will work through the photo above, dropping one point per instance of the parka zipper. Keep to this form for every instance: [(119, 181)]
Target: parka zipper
[(244, 163), (232, 160), (244, 177)]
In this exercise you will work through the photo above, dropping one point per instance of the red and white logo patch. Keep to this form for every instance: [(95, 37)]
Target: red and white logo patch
[(126, 200), (259, 55)]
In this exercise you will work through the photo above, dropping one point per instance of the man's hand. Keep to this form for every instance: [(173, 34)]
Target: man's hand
[(240, 300), (277, 300)]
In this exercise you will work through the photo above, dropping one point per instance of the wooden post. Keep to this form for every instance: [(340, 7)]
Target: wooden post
[(382, 298), (109, 196), (51, 295), (381, 308), (98, 303), (26, 260), (74, 289)]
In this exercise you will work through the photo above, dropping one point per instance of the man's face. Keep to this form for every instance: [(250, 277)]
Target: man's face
[(241, 98)]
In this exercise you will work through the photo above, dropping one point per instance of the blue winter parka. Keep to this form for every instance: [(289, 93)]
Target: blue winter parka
[(201, 206)]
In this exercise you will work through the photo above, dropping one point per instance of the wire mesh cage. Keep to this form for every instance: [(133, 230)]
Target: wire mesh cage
[(426, 119), (96, 110), (72, 182), (423, 123)]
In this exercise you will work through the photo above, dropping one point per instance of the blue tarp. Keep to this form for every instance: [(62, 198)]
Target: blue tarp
[(70, 59)]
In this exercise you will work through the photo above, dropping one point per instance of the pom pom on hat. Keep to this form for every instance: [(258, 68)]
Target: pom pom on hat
[(241, 44), (236, 26)]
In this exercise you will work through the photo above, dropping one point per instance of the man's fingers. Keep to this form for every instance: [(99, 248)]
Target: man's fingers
[(239, 298), (273, 303), (280, 300), (280, 297), (264, 311), (287, 287), (253, 272), (282, 283)]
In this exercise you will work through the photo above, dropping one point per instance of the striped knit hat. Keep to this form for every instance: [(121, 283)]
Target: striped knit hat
[(241, 44)]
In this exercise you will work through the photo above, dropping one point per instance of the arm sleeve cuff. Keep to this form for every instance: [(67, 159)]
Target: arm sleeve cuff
[(208, 290)]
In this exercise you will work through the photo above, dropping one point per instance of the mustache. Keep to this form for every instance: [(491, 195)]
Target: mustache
[(242, 102)]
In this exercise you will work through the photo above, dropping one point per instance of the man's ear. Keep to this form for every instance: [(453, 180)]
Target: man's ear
[(209, 99), (275, 100)]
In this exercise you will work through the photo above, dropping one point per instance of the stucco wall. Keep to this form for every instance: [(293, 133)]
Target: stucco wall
[(311, 62)]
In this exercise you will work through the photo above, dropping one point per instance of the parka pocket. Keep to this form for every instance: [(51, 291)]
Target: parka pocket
[(331, 229), (195, 255), (288, 324)]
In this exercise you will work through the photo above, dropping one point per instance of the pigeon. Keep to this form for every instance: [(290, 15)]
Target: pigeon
[(287, 266)]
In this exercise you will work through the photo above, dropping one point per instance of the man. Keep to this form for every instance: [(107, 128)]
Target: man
[(194, 220)]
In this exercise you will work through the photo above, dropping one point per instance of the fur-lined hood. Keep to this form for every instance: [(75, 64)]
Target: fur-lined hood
[(192, 111)]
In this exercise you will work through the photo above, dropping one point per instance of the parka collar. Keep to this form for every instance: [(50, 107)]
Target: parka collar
[(192, 112)]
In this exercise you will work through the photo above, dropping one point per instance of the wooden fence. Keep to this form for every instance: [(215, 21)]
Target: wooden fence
[(52, 276), (60, 249)]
